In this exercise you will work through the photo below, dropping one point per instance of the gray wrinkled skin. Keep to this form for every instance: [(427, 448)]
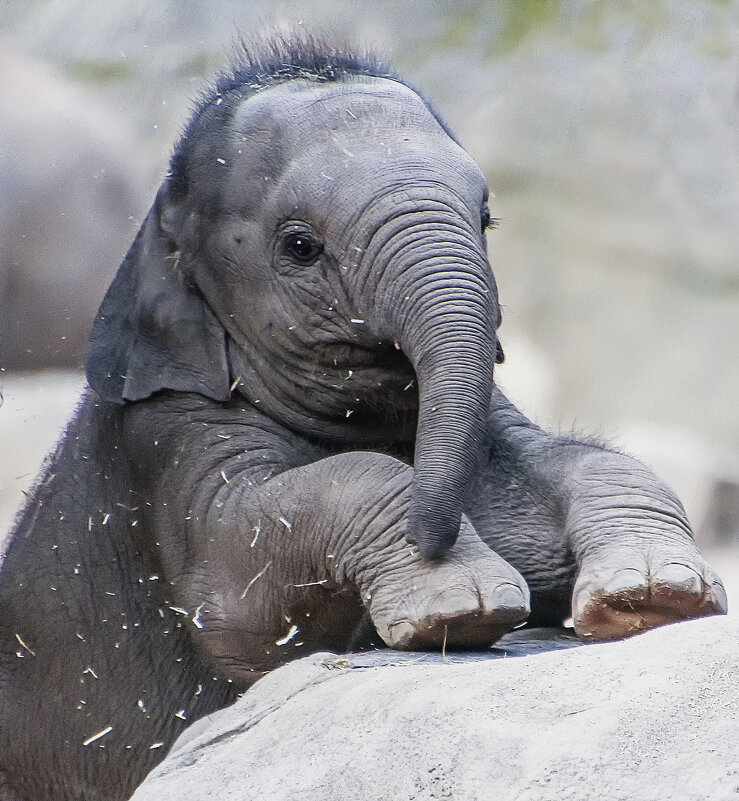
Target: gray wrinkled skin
[(292, 427)]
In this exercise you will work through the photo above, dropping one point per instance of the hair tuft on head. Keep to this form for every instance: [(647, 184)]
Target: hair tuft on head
[(259, 63)]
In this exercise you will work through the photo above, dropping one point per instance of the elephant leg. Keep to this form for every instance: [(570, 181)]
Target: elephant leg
[(7, 793), (584, 523), (279, 568), (638, 565)]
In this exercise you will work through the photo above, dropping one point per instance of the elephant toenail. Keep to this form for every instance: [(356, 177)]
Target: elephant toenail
[(679, 577), (718, 596), (508, 597), (579, 603), (627, 581), (401, 633)]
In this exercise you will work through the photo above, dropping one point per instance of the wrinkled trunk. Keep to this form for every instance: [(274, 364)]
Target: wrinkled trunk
[(450, 340)]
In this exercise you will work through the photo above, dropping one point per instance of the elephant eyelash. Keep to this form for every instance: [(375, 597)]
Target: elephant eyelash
[(488, 223)]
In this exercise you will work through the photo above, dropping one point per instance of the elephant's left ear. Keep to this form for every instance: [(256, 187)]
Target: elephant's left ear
[(154, 330)]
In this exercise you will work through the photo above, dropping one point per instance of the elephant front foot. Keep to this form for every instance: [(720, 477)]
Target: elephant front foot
[(462, 622), (467, 599), (621, 591)]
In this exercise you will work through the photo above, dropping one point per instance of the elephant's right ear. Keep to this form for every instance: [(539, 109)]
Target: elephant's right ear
[(154, 330)]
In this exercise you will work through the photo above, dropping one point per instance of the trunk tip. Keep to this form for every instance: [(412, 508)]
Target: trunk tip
[(432, 540)]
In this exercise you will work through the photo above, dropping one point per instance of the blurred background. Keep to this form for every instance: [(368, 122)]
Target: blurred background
[(609, 132)]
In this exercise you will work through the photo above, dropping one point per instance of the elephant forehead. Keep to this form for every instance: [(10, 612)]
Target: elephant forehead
[(326, 126), (302, 108), (329, 140)]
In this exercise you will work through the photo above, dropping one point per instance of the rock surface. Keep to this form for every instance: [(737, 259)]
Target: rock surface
[(652, 718)]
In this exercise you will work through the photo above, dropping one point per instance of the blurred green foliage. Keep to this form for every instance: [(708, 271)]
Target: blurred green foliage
[(97, 71), (523, 17)]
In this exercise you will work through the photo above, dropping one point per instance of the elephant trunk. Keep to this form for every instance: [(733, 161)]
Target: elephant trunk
[(452, 348)]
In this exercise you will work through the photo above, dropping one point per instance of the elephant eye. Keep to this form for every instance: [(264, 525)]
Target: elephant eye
[(302, 246)]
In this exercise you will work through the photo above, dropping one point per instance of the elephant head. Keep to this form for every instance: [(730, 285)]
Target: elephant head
[(318, 246)]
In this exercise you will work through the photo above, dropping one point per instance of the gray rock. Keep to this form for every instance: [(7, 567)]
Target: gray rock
[(652, 718)]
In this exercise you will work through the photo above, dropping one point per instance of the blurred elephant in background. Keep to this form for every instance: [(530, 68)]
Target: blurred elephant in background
[(292, 420), (71, 182)]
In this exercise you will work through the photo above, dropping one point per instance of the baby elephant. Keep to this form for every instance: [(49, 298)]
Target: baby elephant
[(291, 420)]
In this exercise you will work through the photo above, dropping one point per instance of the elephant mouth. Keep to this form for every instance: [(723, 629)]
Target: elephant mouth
[(384, 357), (373, 387)]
